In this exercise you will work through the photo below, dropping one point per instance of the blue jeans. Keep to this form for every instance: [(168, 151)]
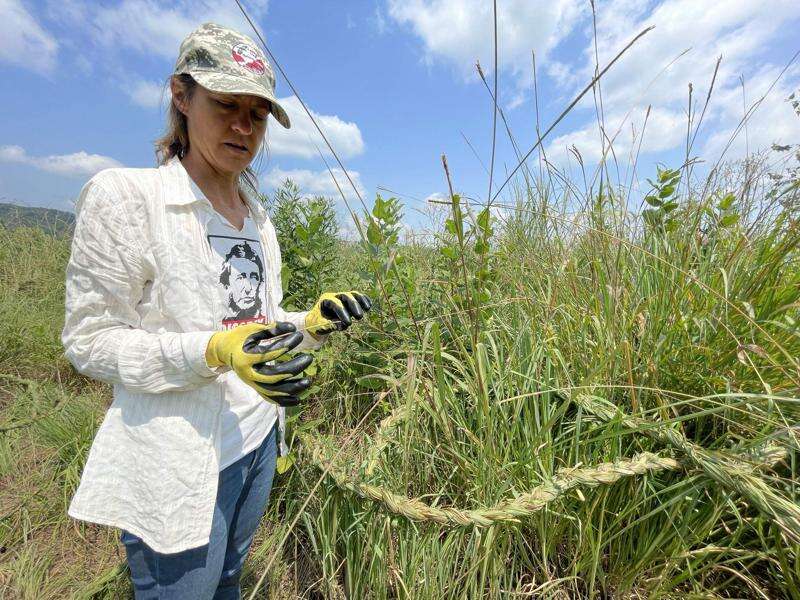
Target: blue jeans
[(211, 571)]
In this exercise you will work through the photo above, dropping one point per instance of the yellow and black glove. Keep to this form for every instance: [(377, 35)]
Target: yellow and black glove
[(243, 348), (335, 311)]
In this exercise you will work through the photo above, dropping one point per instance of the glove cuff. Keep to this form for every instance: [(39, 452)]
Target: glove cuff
[(211, 353)]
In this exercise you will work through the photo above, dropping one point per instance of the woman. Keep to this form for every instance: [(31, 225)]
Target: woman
[(173, 292)]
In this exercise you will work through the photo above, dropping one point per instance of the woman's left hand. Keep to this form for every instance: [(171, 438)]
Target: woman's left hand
[(287, 379), (335, 311)]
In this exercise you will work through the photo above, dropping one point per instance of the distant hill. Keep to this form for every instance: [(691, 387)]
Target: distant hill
[(55, 222)]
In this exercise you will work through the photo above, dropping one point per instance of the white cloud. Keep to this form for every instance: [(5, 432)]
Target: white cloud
[(437, 197), (312, 183), (434, 210), (84, 65), (564, 75), (68, 11), (152, 27), (773, 120), (144, 26), (147, 94), (78, 164), (157, 28), (738, 30), (299, 140), (23, 42), (379, 20), (663, 130), (459, 32)]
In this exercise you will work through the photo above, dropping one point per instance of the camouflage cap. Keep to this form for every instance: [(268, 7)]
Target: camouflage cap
[(223, 60)]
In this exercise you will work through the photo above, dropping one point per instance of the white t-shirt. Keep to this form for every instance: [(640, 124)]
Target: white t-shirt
[(246, 417)]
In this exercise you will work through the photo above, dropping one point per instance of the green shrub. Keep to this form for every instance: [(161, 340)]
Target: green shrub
[(308, 236)]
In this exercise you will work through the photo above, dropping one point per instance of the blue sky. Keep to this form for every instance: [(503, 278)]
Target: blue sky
[(393, 83)]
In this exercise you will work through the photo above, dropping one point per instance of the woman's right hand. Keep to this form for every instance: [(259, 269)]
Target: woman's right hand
[(244, 347)]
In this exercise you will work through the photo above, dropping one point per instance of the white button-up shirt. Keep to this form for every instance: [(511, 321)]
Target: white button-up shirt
[(140, 308)]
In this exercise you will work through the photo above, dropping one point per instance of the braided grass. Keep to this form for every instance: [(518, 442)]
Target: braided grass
[(733, 474), (382, 437), (511, 510)]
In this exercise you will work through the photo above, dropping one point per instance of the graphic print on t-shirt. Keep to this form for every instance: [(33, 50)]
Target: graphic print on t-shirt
[(241, 279)]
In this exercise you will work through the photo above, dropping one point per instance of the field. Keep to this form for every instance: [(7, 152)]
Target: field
[(564, 396)]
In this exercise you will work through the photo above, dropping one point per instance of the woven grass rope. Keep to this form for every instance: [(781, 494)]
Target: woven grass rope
[(383, 436), (510, 510), (731, 473)]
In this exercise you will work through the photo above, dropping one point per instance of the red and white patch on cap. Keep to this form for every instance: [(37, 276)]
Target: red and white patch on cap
[(248, 57)]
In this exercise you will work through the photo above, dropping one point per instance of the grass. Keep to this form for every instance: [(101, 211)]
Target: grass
[(512, 361), (689, 327)]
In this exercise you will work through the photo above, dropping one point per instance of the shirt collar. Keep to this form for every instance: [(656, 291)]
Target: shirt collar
[(178, 189)]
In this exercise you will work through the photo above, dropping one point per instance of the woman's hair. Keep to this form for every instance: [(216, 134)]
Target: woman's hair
[(175, 141)]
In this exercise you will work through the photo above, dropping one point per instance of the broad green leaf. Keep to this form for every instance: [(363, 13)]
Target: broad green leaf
[(449, 252), (669, 206), (284, 463), (653, 201), (373, 234), (651, 216), (727, 201), (483, 219)]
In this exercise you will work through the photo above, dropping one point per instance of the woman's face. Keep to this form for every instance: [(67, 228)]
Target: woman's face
[(226, 129)]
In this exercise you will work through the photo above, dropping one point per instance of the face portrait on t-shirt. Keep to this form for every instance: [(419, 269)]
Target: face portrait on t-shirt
[(245, 278), (242, 279)]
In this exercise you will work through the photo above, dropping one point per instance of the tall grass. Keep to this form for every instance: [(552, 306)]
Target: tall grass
[(48, 417), (684, 319), (561, 396)]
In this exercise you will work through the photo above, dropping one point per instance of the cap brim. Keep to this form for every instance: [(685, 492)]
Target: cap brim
[(231, 84)]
